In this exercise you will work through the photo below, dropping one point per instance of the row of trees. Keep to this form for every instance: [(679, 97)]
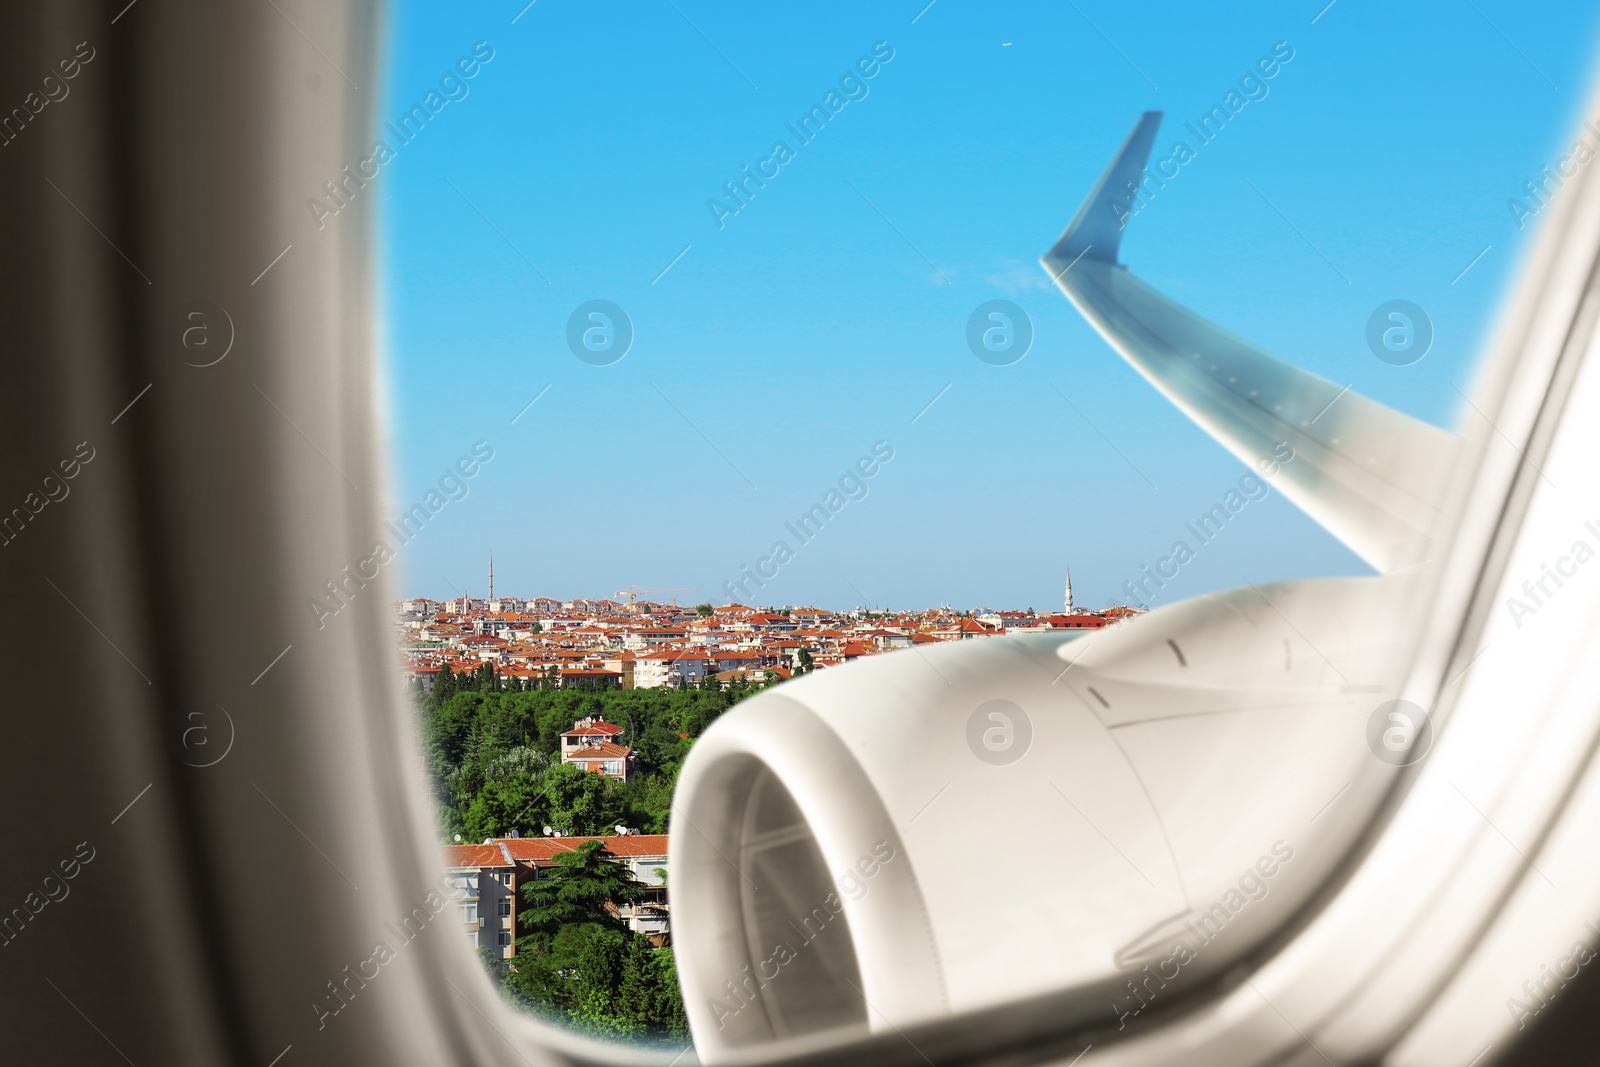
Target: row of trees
[(493, 754)]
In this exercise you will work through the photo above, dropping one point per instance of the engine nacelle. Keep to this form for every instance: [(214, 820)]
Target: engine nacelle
[(944, 829)]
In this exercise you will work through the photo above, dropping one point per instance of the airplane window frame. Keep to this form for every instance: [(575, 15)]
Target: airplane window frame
[(209, 475)]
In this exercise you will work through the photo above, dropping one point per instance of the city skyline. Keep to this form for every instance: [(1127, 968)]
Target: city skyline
[(544, 643), (465, 592)]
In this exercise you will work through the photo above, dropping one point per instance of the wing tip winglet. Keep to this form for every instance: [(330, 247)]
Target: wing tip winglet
[(1096, 230)]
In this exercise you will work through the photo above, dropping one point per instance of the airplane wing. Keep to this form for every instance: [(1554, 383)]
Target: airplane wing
[(1370, 475)]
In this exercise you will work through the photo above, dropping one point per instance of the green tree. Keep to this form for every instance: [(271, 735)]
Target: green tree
[(568, 960), (658, 748), (646, 801), (666, 1006), (704, 611), (489, 958), (518, 803), (580, 801), (444, 685), (596, 987), (577, 890), (648, 999), (599, 980), (540, 977)]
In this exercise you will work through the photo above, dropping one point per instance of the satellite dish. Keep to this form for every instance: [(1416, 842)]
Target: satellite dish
[(488, 840), (548, 832), (622, 831), (458, 838)]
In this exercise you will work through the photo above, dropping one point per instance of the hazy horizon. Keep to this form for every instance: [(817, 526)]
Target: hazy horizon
[(771, 348)]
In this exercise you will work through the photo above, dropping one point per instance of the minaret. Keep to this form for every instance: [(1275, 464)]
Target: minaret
[(491, 580), (1069, 592)]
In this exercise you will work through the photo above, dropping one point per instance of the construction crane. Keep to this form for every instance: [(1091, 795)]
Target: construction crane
[(633, 592)]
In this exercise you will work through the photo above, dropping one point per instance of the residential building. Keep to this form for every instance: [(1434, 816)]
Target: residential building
[(961, 629), (588, 731), (490, 878), (588, 678), (603, 757), (592, 745), (652, 670), (486, 879), (543, 642)]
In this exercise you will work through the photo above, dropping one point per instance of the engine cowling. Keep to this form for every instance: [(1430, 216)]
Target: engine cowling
[(944, 829)]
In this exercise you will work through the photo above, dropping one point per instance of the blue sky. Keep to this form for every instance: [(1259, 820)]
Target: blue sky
[(830, 310)]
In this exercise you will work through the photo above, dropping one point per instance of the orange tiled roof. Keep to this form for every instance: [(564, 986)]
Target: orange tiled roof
[(599, 727), (598, 750), (545, 849)]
